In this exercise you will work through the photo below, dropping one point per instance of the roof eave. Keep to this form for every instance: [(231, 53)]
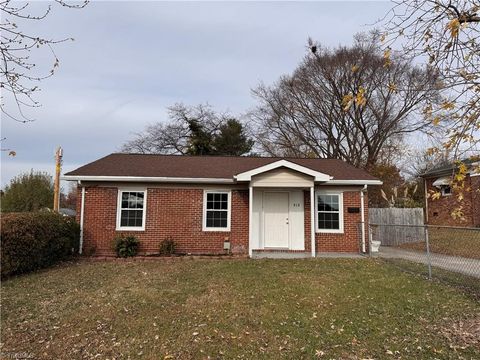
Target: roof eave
[(354, 182), (450, 170), (138, 179), (158, 179)]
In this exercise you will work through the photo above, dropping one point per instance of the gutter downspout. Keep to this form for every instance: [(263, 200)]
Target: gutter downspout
[(82, 211), (362, 205), (250, 220), (312, 220)]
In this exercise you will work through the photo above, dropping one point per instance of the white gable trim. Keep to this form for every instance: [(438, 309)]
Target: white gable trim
[(247, 175)]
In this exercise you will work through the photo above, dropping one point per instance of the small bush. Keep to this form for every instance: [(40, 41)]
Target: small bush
[(35, 240), (167, 247), (126, 246)]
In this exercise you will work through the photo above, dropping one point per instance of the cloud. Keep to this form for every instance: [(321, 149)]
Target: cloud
[(130, 60)]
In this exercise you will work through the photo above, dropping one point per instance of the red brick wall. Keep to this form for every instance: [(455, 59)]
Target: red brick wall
[(171, 213), (350, 240), (177, 214), (439, 210)]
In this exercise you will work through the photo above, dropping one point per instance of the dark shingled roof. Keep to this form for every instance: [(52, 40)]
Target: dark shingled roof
[(217, 167), (448, 167)]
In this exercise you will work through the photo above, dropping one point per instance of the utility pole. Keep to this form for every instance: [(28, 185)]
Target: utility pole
[(56, 185)]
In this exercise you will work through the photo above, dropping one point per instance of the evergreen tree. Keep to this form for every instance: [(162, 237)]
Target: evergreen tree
[(232, 139)]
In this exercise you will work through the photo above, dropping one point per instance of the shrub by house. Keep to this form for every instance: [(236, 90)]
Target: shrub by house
[(36, 240)]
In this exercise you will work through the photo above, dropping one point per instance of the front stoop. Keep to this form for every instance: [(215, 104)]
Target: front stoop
[(279, 254), (282, 254), (338, 255)]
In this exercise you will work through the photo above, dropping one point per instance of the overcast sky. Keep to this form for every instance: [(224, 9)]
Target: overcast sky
[(130, 60)]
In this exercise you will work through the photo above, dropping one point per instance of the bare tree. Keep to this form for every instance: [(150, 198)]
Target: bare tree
[(19, 74), (197, 130), (344, 103), (446, 34), (169, 137)]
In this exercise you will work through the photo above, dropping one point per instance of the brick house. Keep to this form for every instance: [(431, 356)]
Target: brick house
[(438, 211), (215, 204)]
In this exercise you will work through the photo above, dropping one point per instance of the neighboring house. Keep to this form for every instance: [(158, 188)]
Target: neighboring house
[(252, 205), (438, 211), (67, 212)]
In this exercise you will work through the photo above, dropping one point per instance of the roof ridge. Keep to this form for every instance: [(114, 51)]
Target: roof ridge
[(227, 156)]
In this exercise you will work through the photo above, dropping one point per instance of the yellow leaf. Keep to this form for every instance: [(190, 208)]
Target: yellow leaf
[(347, 102), (436, 120), (454, 27), (392, 87), (360, 99), (448, 105), (387, 57), (435, 195), (355, 68), (462, 168), (457, 213)]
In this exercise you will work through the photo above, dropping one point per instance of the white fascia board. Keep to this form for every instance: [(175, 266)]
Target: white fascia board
[(354, 182), (247, 175), (148, 179)]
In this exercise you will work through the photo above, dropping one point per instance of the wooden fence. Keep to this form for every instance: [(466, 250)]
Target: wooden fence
[(396, 235)]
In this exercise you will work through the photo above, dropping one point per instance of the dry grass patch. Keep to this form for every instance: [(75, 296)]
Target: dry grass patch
[(463, 333)]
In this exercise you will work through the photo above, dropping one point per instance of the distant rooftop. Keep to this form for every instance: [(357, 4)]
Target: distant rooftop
[(448, 167)]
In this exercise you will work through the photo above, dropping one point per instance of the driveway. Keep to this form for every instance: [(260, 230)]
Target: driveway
[(457, 264)]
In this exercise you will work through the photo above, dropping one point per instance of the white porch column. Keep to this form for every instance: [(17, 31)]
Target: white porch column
[(312, 220), (250, 219), (362, 213)]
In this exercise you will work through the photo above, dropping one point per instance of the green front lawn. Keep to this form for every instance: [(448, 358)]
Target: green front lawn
[(180, 309)]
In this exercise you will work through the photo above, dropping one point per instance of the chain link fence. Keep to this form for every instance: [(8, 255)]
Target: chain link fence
[(444, 253)]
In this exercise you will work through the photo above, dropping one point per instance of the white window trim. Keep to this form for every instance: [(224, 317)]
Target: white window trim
[(340, 216), (229, 210), (442, 190), (119, 209)]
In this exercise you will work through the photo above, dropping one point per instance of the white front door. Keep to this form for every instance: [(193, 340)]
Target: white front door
[(275, 209)]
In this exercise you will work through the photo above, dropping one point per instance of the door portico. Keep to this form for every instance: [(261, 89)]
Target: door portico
[(269, 225), (278, 211)]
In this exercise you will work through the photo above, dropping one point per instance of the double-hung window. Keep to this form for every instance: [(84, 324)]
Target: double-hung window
[(131, 209), (446, 190), (330, 212), (216, 210)]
